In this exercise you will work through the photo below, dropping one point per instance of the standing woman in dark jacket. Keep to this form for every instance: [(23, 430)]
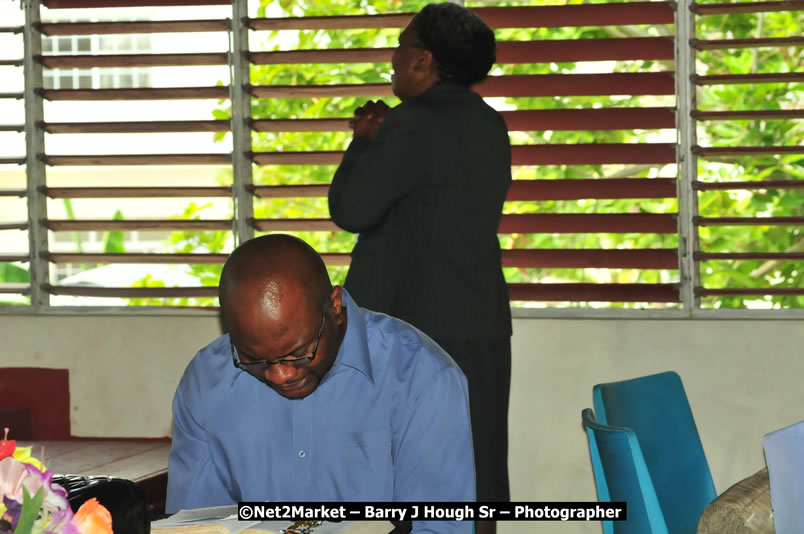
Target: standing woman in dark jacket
[(424, 184)]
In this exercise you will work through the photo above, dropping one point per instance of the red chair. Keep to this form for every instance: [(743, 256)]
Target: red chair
[(35, 403)]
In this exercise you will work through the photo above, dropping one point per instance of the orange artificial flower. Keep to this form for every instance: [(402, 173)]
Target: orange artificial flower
[(93, 518)]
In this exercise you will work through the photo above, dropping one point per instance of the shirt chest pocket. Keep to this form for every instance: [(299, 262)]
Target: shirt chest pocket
[(360, 465), (369, 443)]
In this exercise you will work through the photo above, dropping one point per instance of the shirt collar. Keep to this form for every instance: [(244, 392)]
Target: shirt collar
[(354, 350)]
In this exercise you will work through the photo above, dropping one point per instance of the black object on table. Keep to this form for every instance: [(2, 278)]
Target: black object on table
[(124, 499)]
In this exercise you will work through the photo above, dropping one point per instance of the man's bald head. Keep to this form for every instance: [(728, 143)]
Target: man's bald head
[(279, 306), (262, 273)]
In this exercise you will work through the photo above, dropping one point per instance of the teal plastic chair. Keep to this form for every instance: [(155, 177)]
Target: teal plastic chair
[(621, 475), (655, 408)]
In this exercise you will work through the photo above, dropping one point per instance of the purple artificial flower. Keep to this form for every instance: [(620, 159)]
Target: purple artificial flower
[(55, 495), (12, 476), (61, 522), (13, 510)]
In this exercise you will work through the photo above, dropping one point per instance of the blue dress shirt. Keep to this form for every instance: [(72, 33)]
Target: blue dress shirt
[(388, 422)]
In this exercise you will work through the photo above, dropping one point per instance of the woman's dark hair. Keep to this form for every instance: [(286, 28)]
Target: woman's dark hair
[(462, 45)]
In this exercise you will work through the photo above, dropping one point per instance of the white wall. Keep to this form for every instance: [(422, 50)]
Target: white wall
[(743, 379)]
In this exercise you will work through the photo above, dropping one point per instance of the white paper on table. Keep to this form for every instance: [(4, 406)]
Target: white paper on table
[(784, 455)]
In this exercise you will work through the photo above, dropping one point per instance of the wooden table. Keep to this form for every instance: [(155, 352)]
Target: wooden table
[(142, 461)]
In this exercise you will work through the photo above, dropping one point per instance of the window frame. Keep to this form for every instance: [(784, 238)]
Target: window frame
[(243, 186)]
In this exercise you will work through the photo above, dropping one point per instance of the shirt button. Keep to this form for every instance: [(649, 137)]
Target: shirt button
[(302, 454)]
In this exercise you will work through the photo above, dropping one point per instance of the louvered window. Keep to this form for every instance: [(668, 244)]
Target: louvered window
[(619, 181)]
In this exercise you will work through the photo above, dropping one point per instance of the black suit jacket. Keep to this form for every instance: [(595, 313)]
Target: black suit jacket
[(426, 197)]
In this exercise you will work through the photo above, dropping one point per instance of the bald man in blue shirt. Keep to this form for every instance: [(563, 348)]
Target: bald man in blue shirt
[(312, 398)]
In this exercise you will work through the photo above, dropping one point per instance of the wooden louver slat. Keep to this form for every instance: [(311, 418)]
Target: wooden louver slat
[(495, 17), (301, 57), (570, 258), (11, 258), (140, 26), (289, 191), (518, 223), (136, 126), (577, 189), (622, 259), (132, 292), (765, 291), (761, 184), (571, 223), (321, 91), (557, 50), (625, 83), (144, 93), (132, 60), (578, 15), (723, 79), (516, 120), (619, 83), (591, 258), (136, 192), (729, 8), (140, 159), (336, 258), (342, 22), (589, 119), (13, 193), (595, 292), (706, 256), (294, 225), (14, 289), (564, 50), (740, 151), (72, 4), (116, 225), (300, 125), (748, 115), (746, 43), (593, 154), (552, 154), (573, 189), (13, 225), (320, 157), (748, 221), (136, 258)]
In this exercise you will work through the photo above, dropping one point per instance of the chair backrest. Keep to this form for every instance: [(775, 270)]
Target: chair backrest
[(656, 408), (30, 414), (784, 454), (621, 475)]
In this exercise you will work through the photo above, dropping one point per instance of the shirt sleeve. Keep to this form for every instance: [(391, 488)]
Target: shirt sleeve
[(374, 174), (434, 459), (193, 479)]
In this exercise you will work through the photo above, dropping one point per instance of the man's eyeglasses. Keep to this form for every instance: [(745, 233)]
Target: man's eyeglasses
[(260, 366)]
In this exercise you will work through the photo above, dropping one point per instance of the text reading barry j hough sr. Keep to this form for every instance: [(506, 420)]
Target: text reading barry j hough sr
[(431, 511)]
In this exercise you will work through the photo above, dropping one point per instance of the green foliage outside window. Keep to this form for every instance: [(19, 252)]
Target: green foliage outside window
[(787, 132)]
